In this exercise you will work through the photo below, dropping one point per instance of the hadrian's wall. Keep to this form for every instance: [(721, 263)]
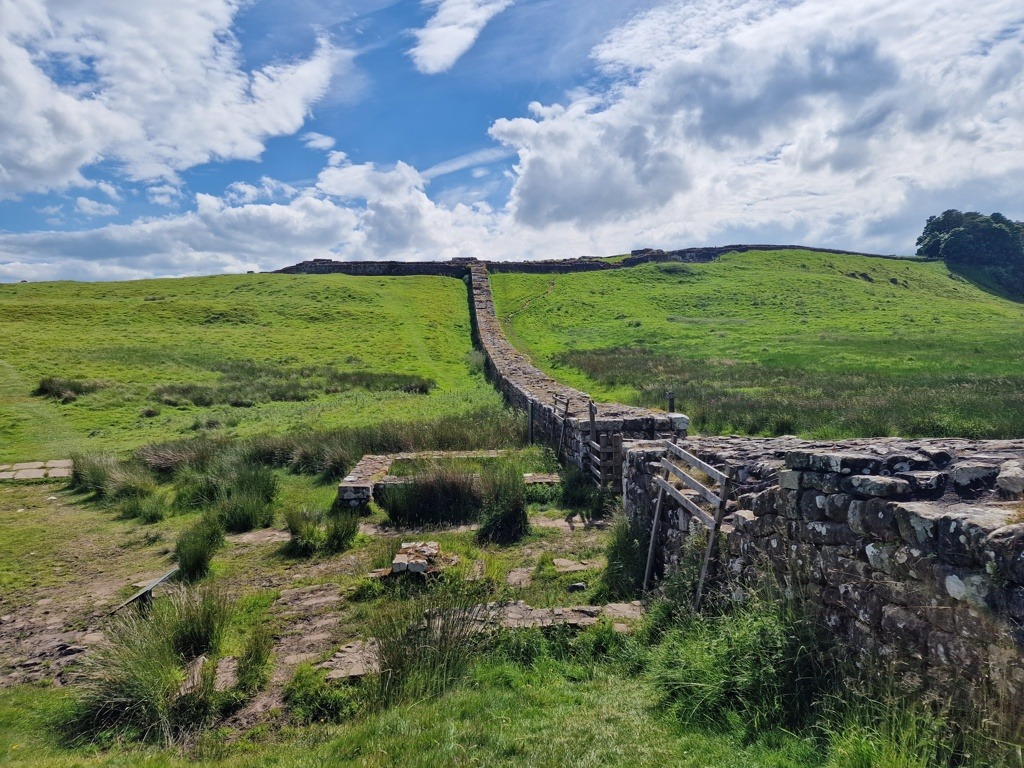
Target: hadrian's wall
[(911, 551), (530, 389)]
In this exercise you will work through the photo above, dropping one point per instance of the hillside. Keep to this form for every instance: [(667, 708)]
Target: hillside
[(236, 355), (817, 344)]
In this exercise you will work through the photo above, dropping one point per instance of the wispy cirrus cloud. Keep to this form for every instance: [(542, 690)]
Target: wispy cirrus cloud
[(451, 31)]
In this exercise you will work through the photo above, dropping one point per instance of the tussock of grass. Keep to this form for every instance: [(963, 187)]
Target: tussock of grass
[(503, 519), (317, 532), (196, 547), (137, 684), (623, 578), (440, 497), (66, 390)]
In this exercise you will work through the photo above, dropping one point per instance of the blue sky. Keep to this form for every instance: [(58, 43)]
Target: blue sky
[(178, 137)]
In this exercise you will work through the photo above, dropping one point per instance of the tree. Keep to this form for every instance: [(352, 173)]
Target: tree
[(991, 246)]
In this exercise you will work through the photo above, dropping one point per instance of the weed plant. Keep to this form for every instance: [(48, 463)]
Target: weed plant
[(503, 518), (196, 546), (623, 578), (316, 532), (254, 663), (426, 645), (311, 699), (137, 685), (66, 390), (440, 497)]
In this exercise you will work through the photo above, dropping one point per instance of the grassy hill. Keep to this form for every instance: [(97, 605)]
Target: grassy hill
[(817, 344), (240, 354)]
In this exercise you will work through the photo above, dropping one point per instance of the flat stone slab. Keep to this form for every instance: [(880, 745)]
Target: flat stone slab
[(571, 566), (353, 661), (7, 475), (29, 465), (519, 577), (59, 472), (60, 464), (30, 474)]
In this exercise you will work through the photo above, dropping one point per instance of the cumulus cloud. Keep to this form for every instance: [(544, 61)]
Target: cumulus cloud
[(90, 207), (314, 140), (451, 31), (816, 120), (155, 88)]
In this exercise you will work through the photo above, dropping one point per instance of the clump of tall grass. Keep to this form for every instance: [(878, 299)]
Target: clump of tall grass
[(314, 531), (763, 663), (441, 496), (147, 509), (503, 517), (196, 547), (623, 578), (154, 677), (426, 645), (66, 390), (311, 699), (254, 662), (107, 478)]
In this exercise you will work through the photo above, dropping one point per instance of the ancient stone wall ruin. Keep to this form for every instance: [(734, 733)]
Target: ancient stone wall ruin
[(912, 552), (530, 389)]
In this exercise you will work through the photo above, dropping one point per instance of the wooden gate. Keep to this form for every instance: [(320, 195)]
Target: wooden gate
[(675, 464)]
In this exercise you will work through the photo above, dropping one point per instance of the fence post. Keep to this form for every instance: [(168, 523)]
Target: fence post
[(530, 430), (671, 401)]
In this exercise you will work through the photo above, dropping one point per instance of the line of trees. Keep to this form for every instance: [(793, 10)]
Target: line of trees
[(989, 247)]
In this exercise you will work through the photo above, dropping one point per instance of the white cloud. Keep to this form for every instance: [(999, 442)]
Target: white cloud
[(153, 87), (850, 111), (451, 31), (314, 140), (94, 208), (470, 159)]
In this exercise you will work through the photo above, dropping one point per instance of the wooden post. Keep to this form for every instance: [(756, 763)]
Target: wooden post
[(592, 409), (654, 538), (671, 401), (530, 430), (712, 541)]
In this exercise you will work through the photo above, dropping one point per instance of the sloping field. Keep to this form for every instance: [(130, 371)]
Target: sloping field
[(820, 345), (137, 362)]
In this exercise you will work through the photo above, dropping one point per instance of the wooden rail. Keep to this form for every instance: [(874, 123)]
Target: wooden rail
[(145, 595), (697, 491)]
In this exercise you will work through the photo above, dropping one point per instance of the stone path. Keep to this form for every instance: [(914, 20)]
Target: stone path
[(36, 470)]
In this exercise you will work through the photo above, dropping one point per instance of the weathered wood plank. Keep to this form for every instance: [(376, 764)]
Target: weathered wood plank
[(688, 504), (696, 463), (696, 485)]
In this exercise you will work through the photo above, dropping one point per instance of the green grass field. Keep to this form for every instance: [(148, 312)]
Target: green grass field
[(820, 345), (284, 349)]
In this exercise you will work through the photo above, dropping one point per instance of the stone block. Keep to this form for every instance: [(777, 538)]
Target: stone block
[(837, 506), (970, 587), (1010, 480), (878, 521), (974, 475), (903, 628), (876, 485), (1003, 553), (846, 463), (862, 602), (29, 474), (825, 532), (812, 505), (789, 504), (789, 480), (925, 481), (918, 524)]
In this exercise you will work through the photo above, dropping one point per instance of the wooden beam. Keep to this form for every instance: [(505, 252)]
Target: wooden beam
[(696, 485), (688, 504), (696, 463)]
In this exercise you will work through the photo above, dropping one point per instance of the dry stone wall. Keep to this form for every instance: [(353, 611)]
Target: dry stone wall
[(528, 388), (911, 551)]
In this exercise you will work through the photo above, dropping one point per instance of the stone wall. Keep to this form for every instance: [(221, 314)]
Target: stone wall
[(524, 386), (911, 551)]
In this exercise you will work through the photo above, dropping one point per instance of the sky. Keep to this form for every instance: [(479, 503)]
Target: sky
[(182, 137)]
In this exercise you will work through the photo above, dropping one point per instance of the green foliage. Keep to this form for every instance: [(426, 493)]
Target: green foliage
[(623, 578), (66, 390), (425, 645), (503, 519), (107, 478), (358, 349), (789, 342), (137, 684), (992, 244), (762, 664), (254, 663), (196, 547), (316, 532), (311, 699), (439, 497)]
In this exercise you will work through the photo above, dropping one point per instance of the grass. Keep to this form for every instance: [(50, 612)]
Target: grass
[(798, 342), (294, 353)]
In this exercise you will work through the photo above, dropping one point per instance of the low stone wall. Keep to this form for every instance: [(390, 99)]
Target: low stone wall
[(524, 386), (912, 552)]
